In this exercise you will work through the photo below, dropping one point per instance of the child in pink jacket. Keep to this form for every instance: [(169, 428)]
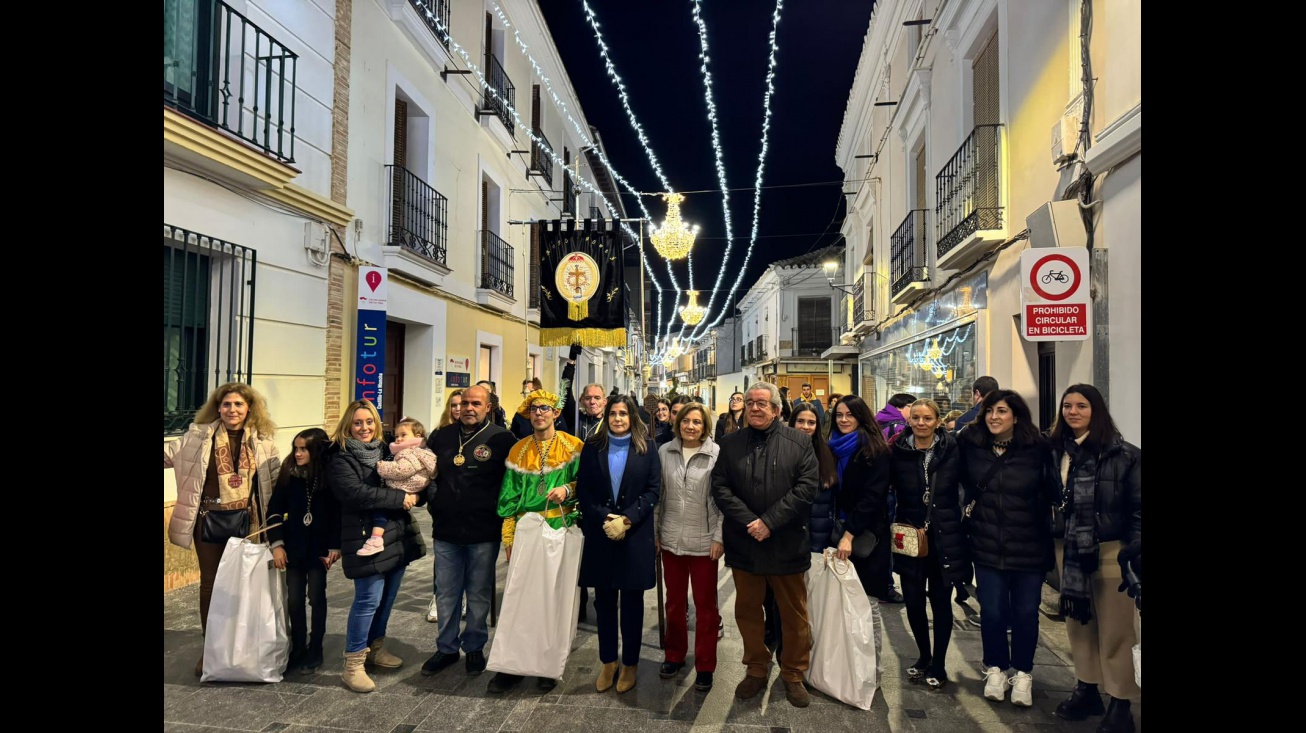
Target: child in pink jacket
[(411, 471)]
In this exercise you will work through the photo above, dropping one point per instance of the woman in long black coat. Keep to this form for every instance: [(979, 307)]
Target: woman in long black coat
[(617, 486), (924, 466)]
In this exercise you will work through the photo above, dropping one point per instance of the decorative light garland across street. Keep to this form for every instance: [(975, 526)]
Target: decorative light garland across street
[(643, 140), (585, 140), (698, 333)]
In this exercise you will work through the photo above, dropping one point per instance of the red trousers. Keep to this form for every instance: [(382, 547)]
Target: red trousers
[(679, 571)]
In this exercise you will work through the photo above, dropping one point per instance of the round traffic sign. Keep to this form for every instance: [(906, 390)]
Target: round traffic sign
[(1054, 277)]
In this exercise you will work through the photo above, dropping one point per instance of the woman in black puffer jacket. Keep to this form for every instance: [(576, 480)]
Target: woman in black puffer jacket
[(805, 419), (1010, 491), (351, 475), (1100, 477), (924, 466)]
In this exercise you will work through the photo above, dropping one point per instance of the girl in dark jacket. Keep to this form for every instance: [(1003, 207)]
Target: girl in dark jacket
[(924, 472), (617, 486), (1010, 491), (352, 477), (306, 543), (1100, 478), (805, 419), (861, 460), (733, 418)]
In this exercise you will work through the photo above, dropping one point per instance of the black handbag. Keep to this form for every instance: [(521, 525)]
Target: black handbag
[(219, 525), (863, 544)]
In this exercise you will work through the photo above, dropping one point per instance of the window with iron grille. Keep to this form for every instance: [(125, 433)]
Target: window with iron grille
[(814, 327), (208, 314)]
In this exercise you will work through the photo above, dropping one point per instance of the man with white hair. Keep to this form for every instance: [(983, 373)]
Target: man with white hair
[(764, 481)]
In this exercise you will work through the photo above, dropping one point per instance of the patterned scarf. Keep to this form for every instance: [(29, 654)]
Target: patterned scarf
[(367, 453), (1081, 549), (235, 478)]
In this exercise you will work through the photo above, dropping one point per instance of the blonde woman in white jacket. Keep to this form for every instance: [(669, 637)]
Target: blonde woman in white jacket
[(689, 543), (226, 460)]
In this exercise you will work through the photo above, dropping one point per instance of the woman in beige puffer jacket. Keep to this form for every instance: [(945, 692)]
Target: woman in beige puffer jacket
[(689, 541), (217, 481)]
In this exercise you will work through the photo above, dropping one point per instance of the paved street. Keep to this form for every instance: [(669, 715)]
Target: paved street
[(450, 701)]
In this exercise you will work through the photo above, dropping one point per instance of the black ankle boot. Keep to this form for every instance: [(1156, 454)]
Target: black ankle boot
[(1118, 719), (1083, 702)]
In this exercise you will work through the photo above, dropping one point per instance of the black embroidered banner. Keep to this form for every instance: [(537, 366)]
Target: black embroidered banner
[(582, 284)]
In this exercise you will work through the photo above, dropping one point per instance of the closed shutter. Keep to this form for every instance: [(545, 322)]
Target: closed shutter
[(814, 324), (399, 182), (986, 196), (489, 39), (985, 69), (920, 178), (535, 267), (536, 121)]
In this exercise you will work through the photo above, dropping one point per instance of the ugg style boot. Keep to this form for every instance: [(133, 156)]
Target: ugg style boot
[(378, 656), (355, 676)]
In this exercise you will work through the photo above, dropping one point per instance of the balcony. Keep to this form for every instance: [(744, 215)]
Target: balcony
[(813, 342), (418, 227), (541, 159), (969, 188), (495, 284), (907, 257), (502, 94), (223, 70), (435, 14)]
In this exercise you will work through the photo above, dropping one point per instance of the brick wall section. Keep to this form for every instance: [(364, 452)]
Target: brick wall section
[(338, 267)]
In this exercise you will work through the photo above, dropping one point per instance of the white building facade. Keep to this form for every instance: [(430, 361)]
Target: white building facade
[(960, 138)]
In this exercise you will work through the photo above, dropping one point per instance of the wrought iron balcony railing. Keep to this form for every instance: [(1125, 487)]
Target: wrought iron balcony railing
[(496, 263), (220, 68), (498, 80), (541, 161), (418, 215), (432, 10), (969, 188), (907, 252), (859, 301), (813, 342)]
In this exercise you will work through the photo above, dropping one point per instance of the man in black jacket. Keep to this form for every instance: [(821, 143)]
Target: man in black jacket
[(764, 481), (464, 505)]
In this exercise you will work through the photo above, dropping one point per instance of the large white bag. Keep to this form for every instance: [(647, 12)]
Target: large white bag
[(537, 624), (843, 663), (247, 640)]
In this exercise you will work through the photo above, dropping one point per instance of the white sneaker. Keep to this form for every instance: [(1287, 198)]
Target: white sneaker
[(995, 684), (1022, 689), (430, 612)]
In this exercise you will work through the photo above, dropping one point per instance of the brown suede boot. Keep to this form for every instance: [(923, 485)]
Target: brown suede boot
[(355, 676), (380, 657), (797, 694), (607, 677), (626, 680)]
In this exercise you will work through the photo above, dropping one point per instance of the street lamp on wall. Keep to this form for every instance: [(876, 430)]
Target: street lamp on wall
[(831, 268)]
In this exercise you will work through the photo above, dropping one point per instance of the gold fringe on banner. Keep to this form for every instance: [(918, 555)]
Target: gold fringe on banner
[(578, 311), (592, 337)]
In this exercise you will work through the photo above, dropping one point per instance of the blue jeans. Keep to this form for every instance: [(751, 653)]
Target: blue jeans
[(374, 596), (469, 569), (1009, 597)]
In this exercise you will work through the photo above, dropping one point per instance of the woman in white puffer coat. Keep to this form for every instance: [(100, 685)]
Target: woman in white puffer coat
[(227, 460), (689, 541)]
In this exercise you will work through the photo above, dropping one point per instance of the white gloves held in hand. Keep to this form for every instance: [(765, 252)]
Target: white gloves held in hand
[(615, 527)]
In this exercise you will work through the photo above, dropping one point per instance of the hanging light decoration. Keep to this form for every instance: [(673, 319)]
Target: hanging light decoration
[(674, 238), (692, 313), (668, 362), (675, 349)]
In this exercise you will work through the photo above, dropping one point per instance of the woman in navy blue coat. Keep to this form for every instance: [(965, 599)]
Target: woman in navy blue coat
[(617, 487)]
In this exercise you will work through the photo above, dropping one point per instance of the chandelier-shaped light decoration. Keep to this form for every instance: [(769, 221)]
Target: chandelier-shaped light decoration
[(692, 313), (675, 349), (674, 238), (668, 363)]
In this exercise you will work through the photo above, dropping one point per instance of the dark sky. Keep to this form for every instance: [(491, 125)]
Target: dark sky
[(654, 46)]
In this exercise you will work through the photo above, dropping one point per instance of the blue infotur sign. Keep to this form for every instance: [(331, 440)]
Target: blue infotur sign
[(369, 365)]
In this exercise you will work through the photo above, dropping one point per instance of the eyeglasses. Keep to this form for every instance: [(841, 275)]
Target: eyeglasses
[(539, 409), (758, 404), (736, 399)]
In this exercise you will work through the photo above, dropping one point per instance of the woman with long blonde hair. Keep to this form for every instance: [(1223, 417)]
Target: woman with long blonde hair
[(452, 409)]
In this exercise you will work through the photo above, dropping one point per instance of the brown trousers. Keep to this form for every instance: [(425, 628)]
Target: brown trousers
[(791, 598), (209, 555), (1103, 648)]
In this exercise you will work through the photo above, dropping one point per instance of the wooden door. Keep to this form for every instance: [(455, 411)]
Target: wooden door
[(392, 397)]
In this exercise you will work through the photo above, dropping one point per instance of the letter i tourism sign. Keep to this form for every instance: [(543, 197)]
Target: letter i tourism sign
[(369, 364), (1054, 294)]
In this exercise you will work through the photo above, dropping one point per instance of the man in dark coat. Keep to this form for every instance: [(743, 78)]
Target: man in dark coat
[(764, 481)]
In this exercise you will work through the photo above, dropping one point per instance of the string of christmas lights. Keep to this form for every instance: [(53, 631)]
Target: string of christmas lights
[(480, 76), (757, 184), (585, 140)]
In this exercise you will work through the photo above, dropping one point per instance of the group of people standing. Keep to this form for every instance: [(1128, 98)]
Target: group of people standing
[(745, 487)]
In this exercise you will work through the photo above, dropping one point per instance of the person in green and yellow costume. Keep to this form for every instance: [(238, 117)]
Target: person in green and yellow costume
[(540, 477)]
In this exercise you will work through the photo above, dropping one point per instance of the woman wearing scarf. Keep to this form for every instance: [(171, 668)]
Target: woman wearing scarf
[(1102, 503), (617, 486), (226, 460), (861, 459), (923, 473), (352, 477), (1010, 491)]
